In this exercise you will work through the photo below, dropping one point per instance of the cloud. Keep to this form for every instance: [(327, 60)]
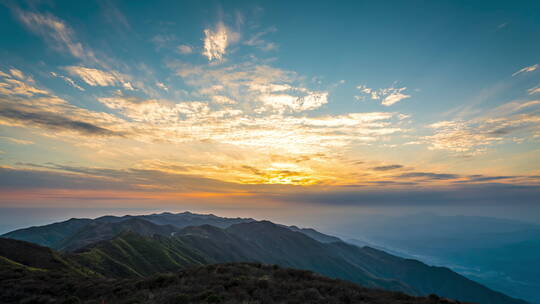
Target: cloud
[(459, 195), (460, 137), (196, 121), (513, 121), (394, 97), (388, 96), (163, 40), (258, 42), (217, 40), (95, 77), (428, 176), (17, 73), (481, 178), (185, 49), (55, 31), (158, 112), (162, 86), (24, 105), (502, 25), (69, 81), (56, 176), (56, 182), (114, 16), (534, 90), (17, 140), (224, 100), (259, 88), (52, 121), (23, 86), (17, 178), (227, 125), (387, 168), (286, 102), (527, 69)]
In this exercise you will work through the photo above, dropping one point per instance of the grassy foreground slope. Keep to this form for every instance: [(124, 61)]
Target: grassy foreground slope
[(219, 283)]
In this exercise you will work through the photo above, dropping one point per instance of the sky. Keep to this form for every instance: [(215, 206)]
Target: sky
[(273, 108)]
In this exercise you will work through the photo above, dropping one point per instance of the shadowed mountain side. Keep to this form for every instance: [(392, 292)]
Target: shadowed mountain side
[(31, 255), (15, 254)]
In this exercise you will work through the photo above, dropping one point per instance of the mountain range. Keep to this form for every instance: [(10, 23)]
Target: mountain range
[(135, 247)]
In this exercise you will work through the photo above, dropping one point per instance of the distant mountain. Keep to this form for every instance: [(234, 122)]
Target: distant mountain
[(45, 279), (49, 235), (316, 235), (129, 247), (75, 233), (495, 252), (180, 220)]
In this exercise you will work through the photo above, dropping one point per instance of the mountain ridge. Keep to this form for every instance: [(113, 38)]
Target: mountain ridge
[(135, 247)]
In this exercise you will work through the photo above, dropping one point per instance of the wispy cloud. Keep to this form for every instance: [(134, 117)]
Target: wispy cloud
[(69, 81), (429, 176), (257, 40), (527, 69), (185, 49), (24, 105), (56, 32), (57, 176), (95, 77), (16, 83), (513, 121), (52, 121), (162, 86), (387, 96), (17, 74), (387, 167), (534, 90), (17, 140), (502, 25)]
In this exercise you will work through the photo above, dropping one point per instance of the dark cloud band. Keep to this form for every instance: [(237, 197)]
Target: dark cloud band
[(54, 121)]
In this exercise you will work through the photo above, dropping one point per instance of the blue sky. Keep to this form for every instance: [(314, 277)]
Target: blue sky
[(208, 103)]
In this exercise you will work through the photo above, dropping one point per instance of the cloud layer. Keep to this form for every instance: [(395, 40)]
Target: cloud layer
[(238, 121)]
